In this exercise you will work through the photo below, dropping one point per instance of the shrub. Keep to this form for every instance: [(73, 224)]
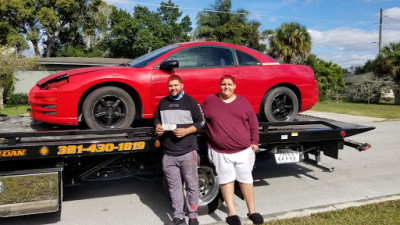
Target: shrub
[(17, 99), (368, 90)]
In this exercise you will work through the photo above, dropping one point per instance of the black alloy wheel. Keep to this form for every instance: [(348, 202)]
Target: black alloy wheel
[(108, 108), (280, 105)]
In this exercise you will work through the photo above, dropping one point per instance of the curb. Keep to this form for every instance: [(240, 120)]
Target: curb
[(317, 209)]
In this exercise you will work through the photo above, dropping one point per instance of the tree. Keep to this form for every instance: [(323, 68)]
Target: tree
[(369, 66), (133, 35), (10, 62), (31, 17), (290, 43), (388, 64), (219, 23), (56, 15), (172, 31), (120, 39), (19, 17), (80, 39), (328, 75)]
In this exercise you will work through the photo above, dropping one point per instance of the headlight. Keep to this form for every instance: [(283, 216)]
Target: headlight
[(55, 83)]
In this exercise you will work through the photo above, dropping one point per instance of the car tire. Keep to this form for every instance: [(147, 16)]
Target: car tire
[(280, 105), (108, 108)]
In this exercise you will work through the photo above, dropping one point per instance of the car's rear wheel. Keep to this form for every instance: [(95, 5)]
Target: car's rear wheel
[(280, 105), (108, 108)]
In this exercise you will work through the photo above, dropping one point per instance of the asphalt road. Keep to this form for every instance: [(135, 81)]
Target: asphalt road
[(281, 190)]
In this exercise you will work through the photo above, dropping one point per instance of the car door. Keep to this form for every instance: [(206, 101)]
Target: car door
[(200, 68)]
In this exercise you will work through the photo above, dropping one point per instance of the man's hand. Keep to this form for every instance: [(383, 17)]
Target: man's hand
[(180, 132), (159, 130), (254, 147)]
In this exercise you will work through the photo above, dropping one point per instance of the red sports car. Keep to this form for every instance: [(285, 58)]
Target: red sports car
[(113, 97)]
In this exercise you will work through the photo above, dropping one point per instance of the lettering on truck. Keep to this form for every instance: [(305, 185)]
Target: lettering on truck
[(94, 148), (13, 153)]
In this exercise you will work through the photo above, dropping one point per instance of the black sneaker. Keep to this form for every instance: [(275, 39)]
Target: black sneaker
[(178, 221), (233, 220), (193, 221), (256, 218)]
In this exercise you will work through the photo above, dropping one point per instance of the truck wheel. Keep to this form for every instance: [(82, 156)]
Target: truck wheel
[(108, 108), (280, 105), (210, 196)]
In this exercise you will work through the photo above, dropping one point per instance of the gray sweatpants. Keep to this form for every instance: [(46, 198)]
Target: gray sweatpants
[(175, 168)]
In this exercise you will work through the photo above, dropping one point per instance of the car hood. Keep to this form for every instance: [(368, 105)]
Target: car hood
[(77, 72)]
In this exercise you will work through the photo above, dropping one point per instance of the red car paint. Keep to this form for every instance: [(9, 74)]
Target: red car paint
[(62, 102)]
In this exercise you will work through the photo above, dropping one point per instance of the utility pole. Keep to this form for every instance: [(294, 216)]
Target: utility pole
[(380, 33)]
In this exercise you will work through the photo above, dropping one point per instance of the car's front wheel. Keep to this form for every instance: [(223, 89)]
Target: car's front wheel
[(280, 105), (108, 108)]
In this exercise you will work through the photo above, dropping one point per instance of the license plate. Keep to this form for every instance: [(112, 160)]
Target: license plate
[(287, 157)]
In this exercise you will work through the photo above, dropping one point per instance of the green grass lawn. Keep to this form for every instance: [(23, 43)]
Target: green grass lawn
[(13, 110), (378, 213), (382, 110)]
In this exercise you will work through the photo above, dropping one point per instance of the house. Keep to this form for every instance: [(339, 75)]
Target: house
[(46, 66)]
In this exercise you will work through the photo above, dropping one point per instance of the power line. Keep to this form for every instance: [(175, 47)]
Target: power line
[(250, 14)]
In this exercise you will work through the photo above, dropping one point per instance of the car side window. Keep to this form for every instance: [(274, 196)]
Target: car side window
[(246, 59), (204, 57)]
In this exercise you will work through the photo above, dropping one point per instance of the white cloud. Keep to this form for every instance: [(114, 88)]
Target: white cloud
[(391, 18), (345, 39), (350, 46), (345, 59)]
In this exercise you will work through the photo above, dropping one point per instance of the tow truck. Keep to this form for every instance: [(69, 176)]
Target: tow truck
[(35, 165)]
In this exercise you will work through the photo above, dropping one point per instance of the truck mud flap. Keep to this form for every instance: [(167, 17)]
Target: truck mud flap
[(30, 192)]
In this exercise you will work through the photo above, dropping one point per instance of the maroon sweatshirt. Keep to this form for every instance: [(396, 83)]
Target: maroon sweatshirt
[(231, 127)]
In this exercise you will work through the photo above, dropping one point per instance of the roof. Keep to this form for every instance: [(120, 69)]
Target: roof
[(81, 61)]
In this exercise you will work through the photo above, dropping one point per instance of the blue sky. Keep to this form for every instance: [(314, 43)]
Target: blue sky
[(343, 32)]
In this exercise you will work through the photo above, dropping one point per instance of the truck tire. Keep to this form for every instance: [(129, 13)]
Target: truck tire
[(280, 105), (210, 196), (108, 108)]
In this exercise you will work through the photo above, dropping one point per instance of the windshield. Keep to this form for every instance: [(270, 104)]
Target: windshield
[(143, 60)]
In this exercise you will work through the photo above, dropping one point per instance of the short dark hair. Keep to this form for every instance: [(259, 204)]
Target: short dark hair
[(174, 77), (228, 77)]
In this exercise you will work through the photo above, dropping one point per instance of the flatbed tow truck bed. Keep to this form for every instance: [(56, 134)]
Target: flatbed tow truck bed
[(56, 158)]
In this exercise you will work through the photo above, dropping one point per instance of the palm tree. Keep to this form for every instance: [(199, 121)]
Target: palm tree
[(388, 63), (290, 43)]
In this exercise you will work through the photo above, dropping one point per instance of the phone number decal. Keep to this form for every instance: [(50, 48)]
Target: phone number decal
[(94, 148)]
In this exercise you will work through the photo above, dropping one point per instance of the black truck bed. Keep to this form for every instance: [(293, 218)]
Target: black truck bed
[(30, 138)]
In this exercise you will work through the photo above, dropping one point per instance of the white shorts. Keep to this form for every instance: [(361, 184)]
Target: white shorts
[(236, 166)]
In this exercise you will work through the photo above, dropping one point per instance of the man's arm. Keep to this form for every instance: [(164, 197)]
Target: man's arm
[(198, 121), (254, 133), (157, 121), (182, 132), (198, 116)]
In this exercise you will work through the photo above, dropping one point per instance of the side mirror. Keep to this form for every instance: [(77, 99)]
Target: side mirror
[(169, 65)]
